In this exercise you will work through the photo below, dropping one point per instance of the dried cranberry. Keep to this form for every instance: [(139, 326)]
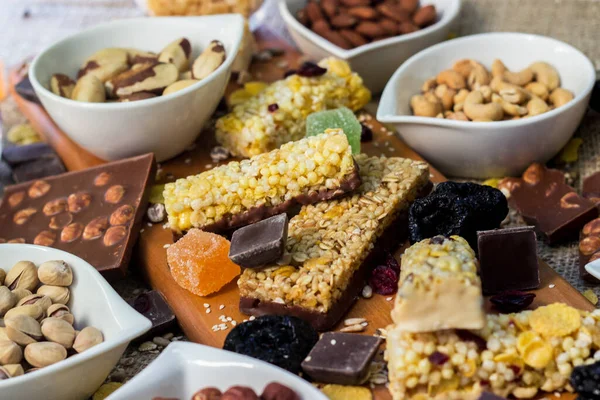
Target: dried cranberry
[(468, 336), (516, 369), (384, 280), (310, 69), (512, 301), (366, 134), (273, 107), (437, 358), (392, 263)]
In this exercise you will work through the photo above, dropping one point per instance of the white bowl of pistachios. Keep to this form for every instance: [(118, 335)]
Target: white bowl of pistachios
[(64, 327)]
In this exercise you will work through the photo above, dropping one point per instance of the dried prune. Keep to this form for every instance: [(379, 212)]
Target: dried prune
[(512, 301), (281, 340), (585, 379), (309, 69), (457, 209)]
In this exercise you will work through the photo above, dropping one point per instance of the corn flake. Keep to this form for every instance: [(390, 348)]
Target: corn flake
[(106, 390), (537, 354), (556, 319), (525, 339), (339, 392), (591, 296), (493, 182)]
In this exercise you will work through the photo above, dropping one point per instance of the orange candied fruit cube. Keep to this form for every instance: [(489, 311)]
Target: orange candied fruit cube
[(200, 262)]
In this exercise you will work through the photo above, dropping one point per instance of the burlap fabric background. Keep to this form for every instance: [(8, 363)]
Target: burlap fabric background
[(26, 27)]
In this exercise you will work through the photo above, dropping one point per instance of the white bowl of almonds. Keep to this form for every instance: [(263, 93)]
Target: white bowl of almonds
[(134, 86), (489, 105), (64, 327)]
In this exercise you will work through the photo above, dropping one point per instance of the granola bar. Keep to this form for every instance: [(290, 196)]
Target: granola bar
[(517, 354), (236, 194), (439, 287), (329, 244)]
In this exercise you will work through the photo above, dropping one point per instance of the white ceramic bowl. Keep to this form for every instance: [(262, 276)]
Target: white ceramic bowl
[(374, 62), (184, 368), (93, 303), (488, 149), (163, 125)]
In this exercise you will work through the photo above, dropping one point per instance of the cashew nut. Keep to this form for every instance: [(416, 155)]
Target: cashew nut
[(536, 106), (486, 91), (463, 67), (458, 116), (476, 110), (509, 108), (546, 74), (479, 76), (516, 94), (429, 84), (560, 97), (520, 78), (426, 106), (459, 99), (446, 96), (453, 79), (538, 89)]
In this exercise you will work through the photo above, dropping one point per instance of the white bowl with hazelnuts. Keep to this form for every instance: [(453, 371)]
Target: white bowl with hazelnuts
[(134, 86), (489, 105), (63, 326)]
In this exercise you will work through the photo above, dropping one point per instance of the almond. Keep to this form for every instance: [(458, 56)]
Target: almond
[(313, 12), (354, 38), (425, 16), (337, 39), (363, 12), (407, 27), (409, 6), (389, 26), (320, 27), (343, 21), (330, 7), (370, 29), (390, 11), (355, 3)]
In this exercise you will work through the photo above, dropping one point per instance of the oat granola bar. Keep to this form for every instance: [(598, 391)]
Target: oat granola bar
[(239, 193), (439, 287), (330, 245), (516, 354), (277, 114)]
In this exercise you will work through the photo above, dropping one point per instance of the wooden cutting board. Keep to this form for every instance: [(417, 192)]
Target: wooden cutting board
[(198, 315)]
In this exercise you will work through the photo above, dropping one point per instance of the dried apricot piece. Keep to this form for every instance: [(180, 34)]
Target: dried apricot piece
[(556, 319), (200, 262)]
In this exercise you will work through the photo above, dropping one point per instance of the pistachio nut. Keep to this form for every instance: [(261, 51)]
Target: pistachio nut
[(61, 85), (42, 354), (55, 272), (13, 369), (23, 329), (58, 331), (177, 53), (39, 299), (150, 78), (89, 89), (2, 276), (3, 335), (105, 64), (57, 294), (22, 275), (7, 300), (10, 352), (21, 293), (210, 59), (60, 311), (179, 85), (31, 370), (88, 337), (34, 311)]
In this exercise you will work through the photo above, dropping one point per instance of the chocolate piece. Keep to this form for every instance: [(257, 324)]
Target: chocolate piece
[(589, 248), (341, 358), (508, 260), (32, 161), (154, 307), (26, 91), (544, 200), (260, 243), (591, 188), (70, 205)]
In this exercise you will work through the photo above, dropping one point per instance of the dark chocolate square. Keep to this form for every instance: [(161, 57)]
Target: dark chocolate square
[(341, 358), (153, 306), (508, 259), (260, 243)]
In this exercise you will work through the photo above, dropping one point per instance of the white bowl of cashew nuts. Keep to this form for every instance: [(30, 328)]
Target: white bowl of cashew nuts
[(483, 147)]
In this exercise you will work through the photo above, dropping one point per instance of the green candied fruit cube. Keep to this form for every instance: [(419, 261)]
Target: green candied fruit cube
[(340, 118)]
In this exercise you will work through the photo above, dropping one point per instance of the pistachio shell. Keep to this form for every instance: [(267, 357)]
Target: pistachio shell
[(22, 275), (43, 354), (32, 310), (10, 352), (7, 300), (56, 272), (60, 311), (14, 369), (58, 331), (57, 294), (3, 335), (39, 299), (2, 276), (23, 329), (87, 338), (21, 293)]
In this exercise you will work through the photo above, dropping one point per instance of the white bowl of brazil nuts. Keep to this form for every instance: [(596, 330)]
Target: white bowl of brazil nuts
[(93, 302), (165, 125), (374, 62), (488, 149)]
